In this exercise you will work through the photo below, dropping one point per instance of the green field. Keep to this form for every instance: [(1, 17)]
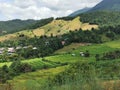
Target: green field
[(93, 49), (37, 78)]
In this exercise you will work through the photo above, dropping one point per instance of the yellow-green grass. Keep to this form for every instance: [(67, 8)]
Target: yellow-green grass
[(14, 36), (56, 27), (114, 44)]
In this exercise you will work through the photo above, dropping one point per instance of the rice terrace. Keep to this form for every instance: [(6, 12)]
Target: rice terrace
[(59, 45)]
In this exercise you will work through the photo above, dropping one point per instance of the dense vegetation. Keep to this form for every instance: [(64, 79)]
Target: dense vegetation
[(14, 25), (109, 55), (111, 5), (7, 73), (102, 18), (40, 23), (85, 75)]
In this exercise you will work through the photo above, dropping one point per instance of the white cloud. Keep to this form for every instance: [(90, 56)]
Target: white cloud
[(37, 9)]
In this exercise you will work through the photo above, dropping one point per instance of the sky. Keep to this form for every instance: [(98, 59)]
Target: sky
[(39, 9)]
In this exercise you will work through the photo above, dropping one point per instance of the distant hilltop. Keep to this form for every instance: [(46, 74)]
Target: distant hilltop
[(105, 5)]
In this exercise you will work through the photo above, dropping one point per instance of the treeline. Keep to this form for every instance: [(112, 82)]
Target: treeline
[(101, 18), (108, 56), (40, 23), (16, 25)]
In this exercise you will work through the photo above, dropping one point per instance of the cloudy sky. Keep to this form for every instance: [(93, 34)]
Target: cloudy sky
[(37, 9)]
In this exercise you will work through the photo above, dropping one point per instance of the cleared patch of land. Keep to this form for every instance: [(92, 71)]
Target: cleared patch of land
[(71, 47)]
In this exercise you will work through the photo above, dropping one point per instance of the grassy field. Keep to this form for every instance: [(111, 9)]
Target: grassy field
[(34, 80), (65, 54)]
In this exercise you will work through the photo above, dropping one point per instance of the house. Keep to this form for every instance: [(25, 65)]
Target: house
[(47, 43), (11, 50), (2, 50), (82, 54), (63, 43), (73, 54), (34, 48), (25, 47), (18, 48)]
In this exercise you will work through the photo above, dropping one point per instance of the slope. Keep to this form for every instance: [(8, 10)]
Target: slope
[(36, 79), (56, 27), (79, 12), (14, 25), (112, 5)]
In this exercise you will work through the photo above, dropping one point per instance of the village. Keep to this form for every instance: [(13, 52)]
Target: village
[(12, 50)]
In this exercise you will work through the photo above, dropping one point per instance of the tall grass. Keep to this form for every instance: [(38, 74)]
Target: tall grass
[(82, 76), (79, 76)]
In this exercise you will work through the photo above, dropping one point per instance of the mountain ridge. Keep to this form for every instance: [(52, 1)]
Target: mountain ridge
[(112, 5), (79, 11), (104, 5)]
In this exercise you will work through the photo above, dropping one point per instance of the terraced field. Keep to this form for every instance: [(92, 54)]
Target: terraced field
[(36, 63), (36, 79)]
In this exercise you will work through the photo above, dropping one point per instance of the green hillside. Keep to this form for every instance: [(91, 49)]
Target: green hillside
[(111, 5), (17, 25), (38, 78), (104, 5), (102, 18)]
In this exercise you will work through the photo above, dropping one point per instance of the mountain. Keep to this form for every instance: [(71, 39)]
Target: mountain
[(79, 12), (110, 5), (12, 26), (105, 5)]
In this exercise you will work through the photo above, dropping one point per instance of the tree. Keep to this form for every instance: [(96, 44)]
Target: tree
[(97, 56), (87, 54)]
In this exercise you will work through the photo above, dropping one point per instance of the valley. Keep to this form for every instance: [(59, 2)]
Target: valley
[(80, 51)]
